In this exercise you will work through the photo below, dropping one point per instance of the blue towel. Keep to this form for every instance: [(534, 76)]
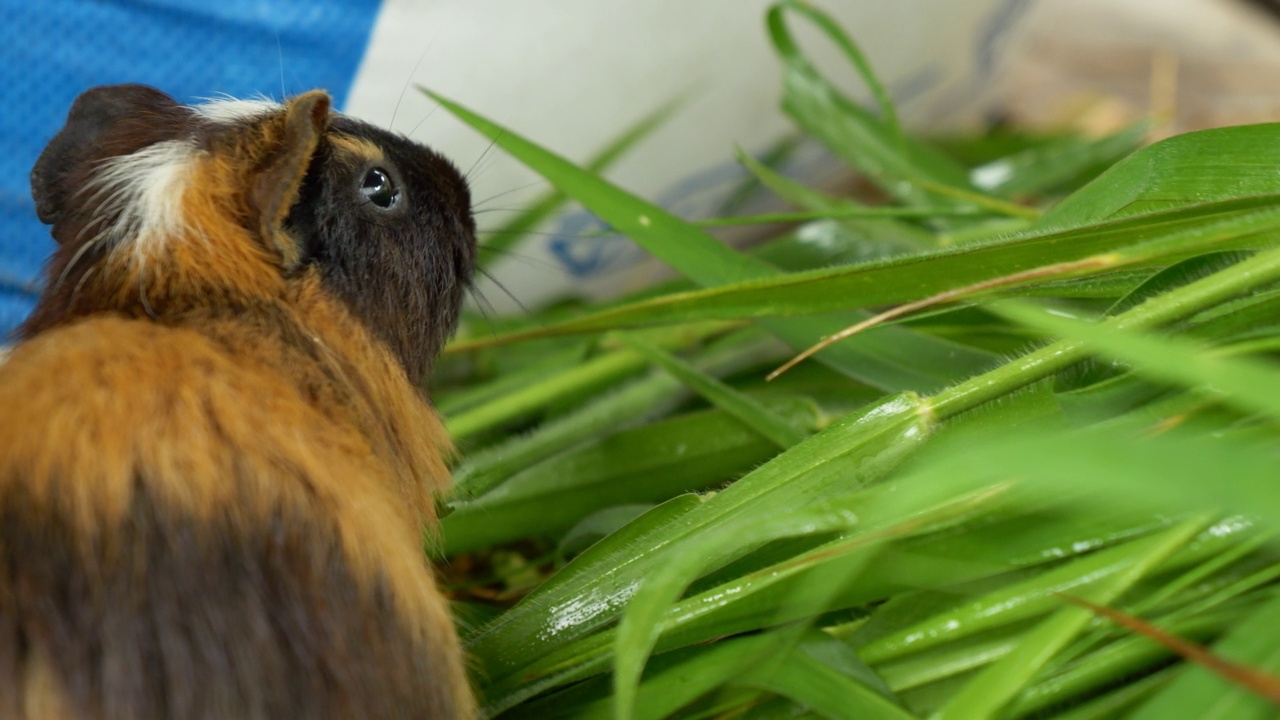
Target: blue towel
[(52, 50)]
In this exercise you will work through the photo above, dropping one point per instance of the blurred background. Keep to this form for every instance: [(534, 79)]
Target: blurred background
[(578, 77)]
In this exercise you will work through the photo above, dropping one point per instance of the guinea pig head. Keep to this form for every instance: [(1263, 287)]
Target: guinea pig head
[(388, 224), (174, 212)]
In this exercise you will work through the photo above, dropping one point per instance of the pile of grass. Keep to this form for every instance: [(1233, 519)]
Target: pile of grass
[(1073, 409)]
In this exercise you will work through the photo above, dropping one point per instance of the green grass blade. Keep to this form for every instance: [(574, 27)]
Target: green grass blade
[(1126, 657), (1194, 168), (881, 232), (872, 442), (1241, 278), (629, 404), (1020, 601), (794, 192), (894, 359), (641, 624), (996, 686), (621, 544), (791, 55), (1050, 472), (873, 146), (755, 415), (819, 576), (765, 598), (459, 401), (939, 664), (834, 214), (1162, 472), (1116, 703), (810, 676), (1045, 166), (685, 248), (647, 463), (1148, 240), (1176, 276), (601, 371), (1200, 694), (672, 681), (1250, 385), (497, 241)]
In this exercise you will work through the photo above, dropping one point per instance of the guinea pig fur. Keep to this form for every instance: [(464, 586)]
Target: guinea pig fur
[(216, 463)]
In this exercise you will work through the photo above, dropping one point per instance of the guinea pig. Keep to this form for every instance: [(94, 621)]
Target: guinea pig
[(217, 467)]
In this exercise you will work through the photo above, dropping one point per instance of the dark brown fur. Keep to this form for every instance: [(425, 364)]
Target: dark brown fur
[(216, 466)]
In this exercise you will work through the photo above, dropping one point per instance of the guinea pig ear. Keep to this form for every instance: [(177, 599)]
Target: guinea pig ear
[(97, 127), (275, 189)]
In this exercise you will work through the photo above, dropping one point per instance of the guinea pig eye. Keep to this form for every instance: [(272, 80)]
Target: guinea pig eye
[(380, 188)]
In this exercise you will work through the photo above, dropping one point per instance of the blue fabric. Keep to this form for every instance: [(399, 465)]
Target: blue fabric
[(51, 50)]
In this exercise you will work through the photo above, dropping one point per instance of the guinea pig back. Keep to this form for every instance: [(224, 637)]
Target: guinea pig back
[(216, 463)]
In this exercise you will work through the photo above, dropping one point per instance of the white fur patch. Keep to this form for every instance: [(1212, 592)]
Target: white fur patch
[(229, 110), (140, 195)]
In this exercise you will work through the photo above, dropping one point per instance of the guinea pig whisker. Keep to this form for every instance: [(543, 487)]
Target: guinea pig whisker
[(483, 305), (467, 174), (409, 80), (497, 232), (482, 165), (280, 56), (540, 233), (503, 288), (525, 258), (491, 198), (417, 127)]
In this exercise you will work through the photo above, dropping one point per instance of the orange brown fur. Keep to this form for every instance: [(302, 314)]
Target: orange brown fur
[(207, 414)]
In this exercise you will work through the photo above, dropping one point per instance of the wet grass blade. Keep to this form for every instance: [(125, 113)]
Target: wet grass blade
[(1201, 694), (584, 602), (999, 684), (1261, 684)]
